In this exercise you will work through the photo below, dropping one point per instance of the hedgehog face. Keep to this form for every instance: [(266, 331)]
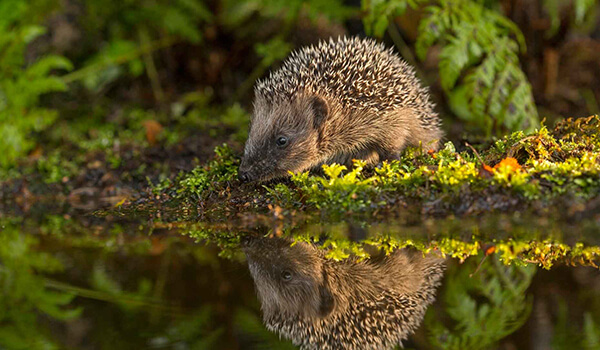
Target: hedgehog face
[(288, 279), (284, 137)]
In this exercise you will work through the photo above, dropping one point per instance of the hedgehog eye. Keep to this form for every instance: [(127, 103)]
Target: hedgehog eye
[(281, 141), (286, 275)]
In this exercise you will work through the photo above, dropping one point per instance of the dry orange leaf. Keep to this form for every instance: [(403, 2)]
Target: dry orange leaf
[(488, 168), (509, 162), (153, 129)]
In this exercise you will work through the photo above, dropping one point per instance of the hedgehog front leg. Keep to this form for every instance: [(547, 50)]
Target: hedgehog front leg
[(371, 157), (393, 150), (390, 155)]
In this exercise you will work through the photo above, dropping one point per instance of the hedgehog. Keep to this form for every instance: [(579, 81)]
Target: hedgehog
[(340, 100), (319, 303)]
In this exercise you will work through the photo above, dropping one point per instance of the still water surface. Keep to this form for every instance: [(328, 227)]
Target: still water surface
[(85, 281)]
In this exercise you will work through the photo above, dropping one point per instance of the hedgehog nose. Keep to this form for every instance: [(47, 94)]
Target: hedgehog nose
[(246, 240), (244, 177)]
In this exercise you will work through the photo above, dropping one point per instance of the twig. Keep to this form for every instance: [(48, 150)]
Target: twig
[(476, 153)]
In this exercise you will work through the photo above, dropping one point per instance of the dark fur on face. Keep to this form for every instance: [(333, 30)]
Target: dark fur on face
[(323, 304)]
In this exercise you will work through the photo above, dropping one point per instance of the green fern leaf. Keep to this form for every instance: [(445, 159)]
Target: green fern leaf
[(479, 65)]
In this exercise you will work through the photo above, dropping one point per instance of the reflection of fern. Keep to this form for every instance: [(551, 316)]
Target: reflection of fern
[(485, 307), (479, 64), (567, 334), (25, 296), (196, 331), (591, 332), (250, 326)]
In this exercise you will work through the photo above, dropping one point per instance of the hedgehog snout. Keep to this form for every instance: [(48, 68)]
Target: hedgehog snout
[(251, 170), (247, 174), (243, 177), (244, 171)]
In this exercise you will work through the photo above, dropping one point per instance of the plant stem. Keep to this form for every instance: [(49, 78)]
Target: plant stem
[(151, 68)]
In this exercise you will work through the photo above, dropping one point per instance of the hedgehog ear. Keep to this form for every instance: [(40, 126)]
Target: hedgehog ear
[(320, 111), (327, 302)]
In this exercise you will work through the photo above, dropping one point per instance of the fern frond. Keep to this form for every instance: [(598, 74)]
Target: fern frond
[(379, 12), (555, 10), (479, 65)]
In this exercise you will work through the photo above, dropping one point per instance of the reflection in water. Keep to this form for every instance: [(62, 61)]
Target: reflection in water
[(320, 303), (66, 285)]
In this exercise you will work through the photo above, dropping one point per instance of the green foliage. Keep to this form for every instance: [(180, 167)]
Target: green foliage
[(123, 18), (582, 10), (478, 63), (54, 168), (22, 83), (379, 12), (24, 291), (591, 332), (335, 190), (569, 335), (218, 122), (272, 51), (135, 29), (236, 13), (484, 305), (202, 180), (108, 57)]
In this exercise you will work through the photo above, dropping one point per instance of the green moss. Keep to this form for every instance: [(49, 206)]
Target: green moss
[(201, 181), (55, 168), (348, 192)]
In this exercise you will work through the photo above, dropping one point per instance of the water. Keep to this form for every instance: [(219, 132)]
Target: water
[(115, 280)]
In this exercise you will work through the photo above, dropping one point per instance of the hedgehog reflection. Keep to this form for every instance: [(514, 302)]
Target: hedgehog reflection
[(323, 304)]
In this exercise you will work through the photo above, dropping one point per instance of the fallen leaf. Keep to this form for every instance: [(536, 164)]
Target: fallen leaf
[(509, 162), (153, 130)]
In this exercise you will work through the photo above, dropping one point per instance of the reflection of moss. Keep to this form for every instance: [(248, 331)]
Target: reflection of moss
[(514, 241), (519, 252), (227, 241)]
